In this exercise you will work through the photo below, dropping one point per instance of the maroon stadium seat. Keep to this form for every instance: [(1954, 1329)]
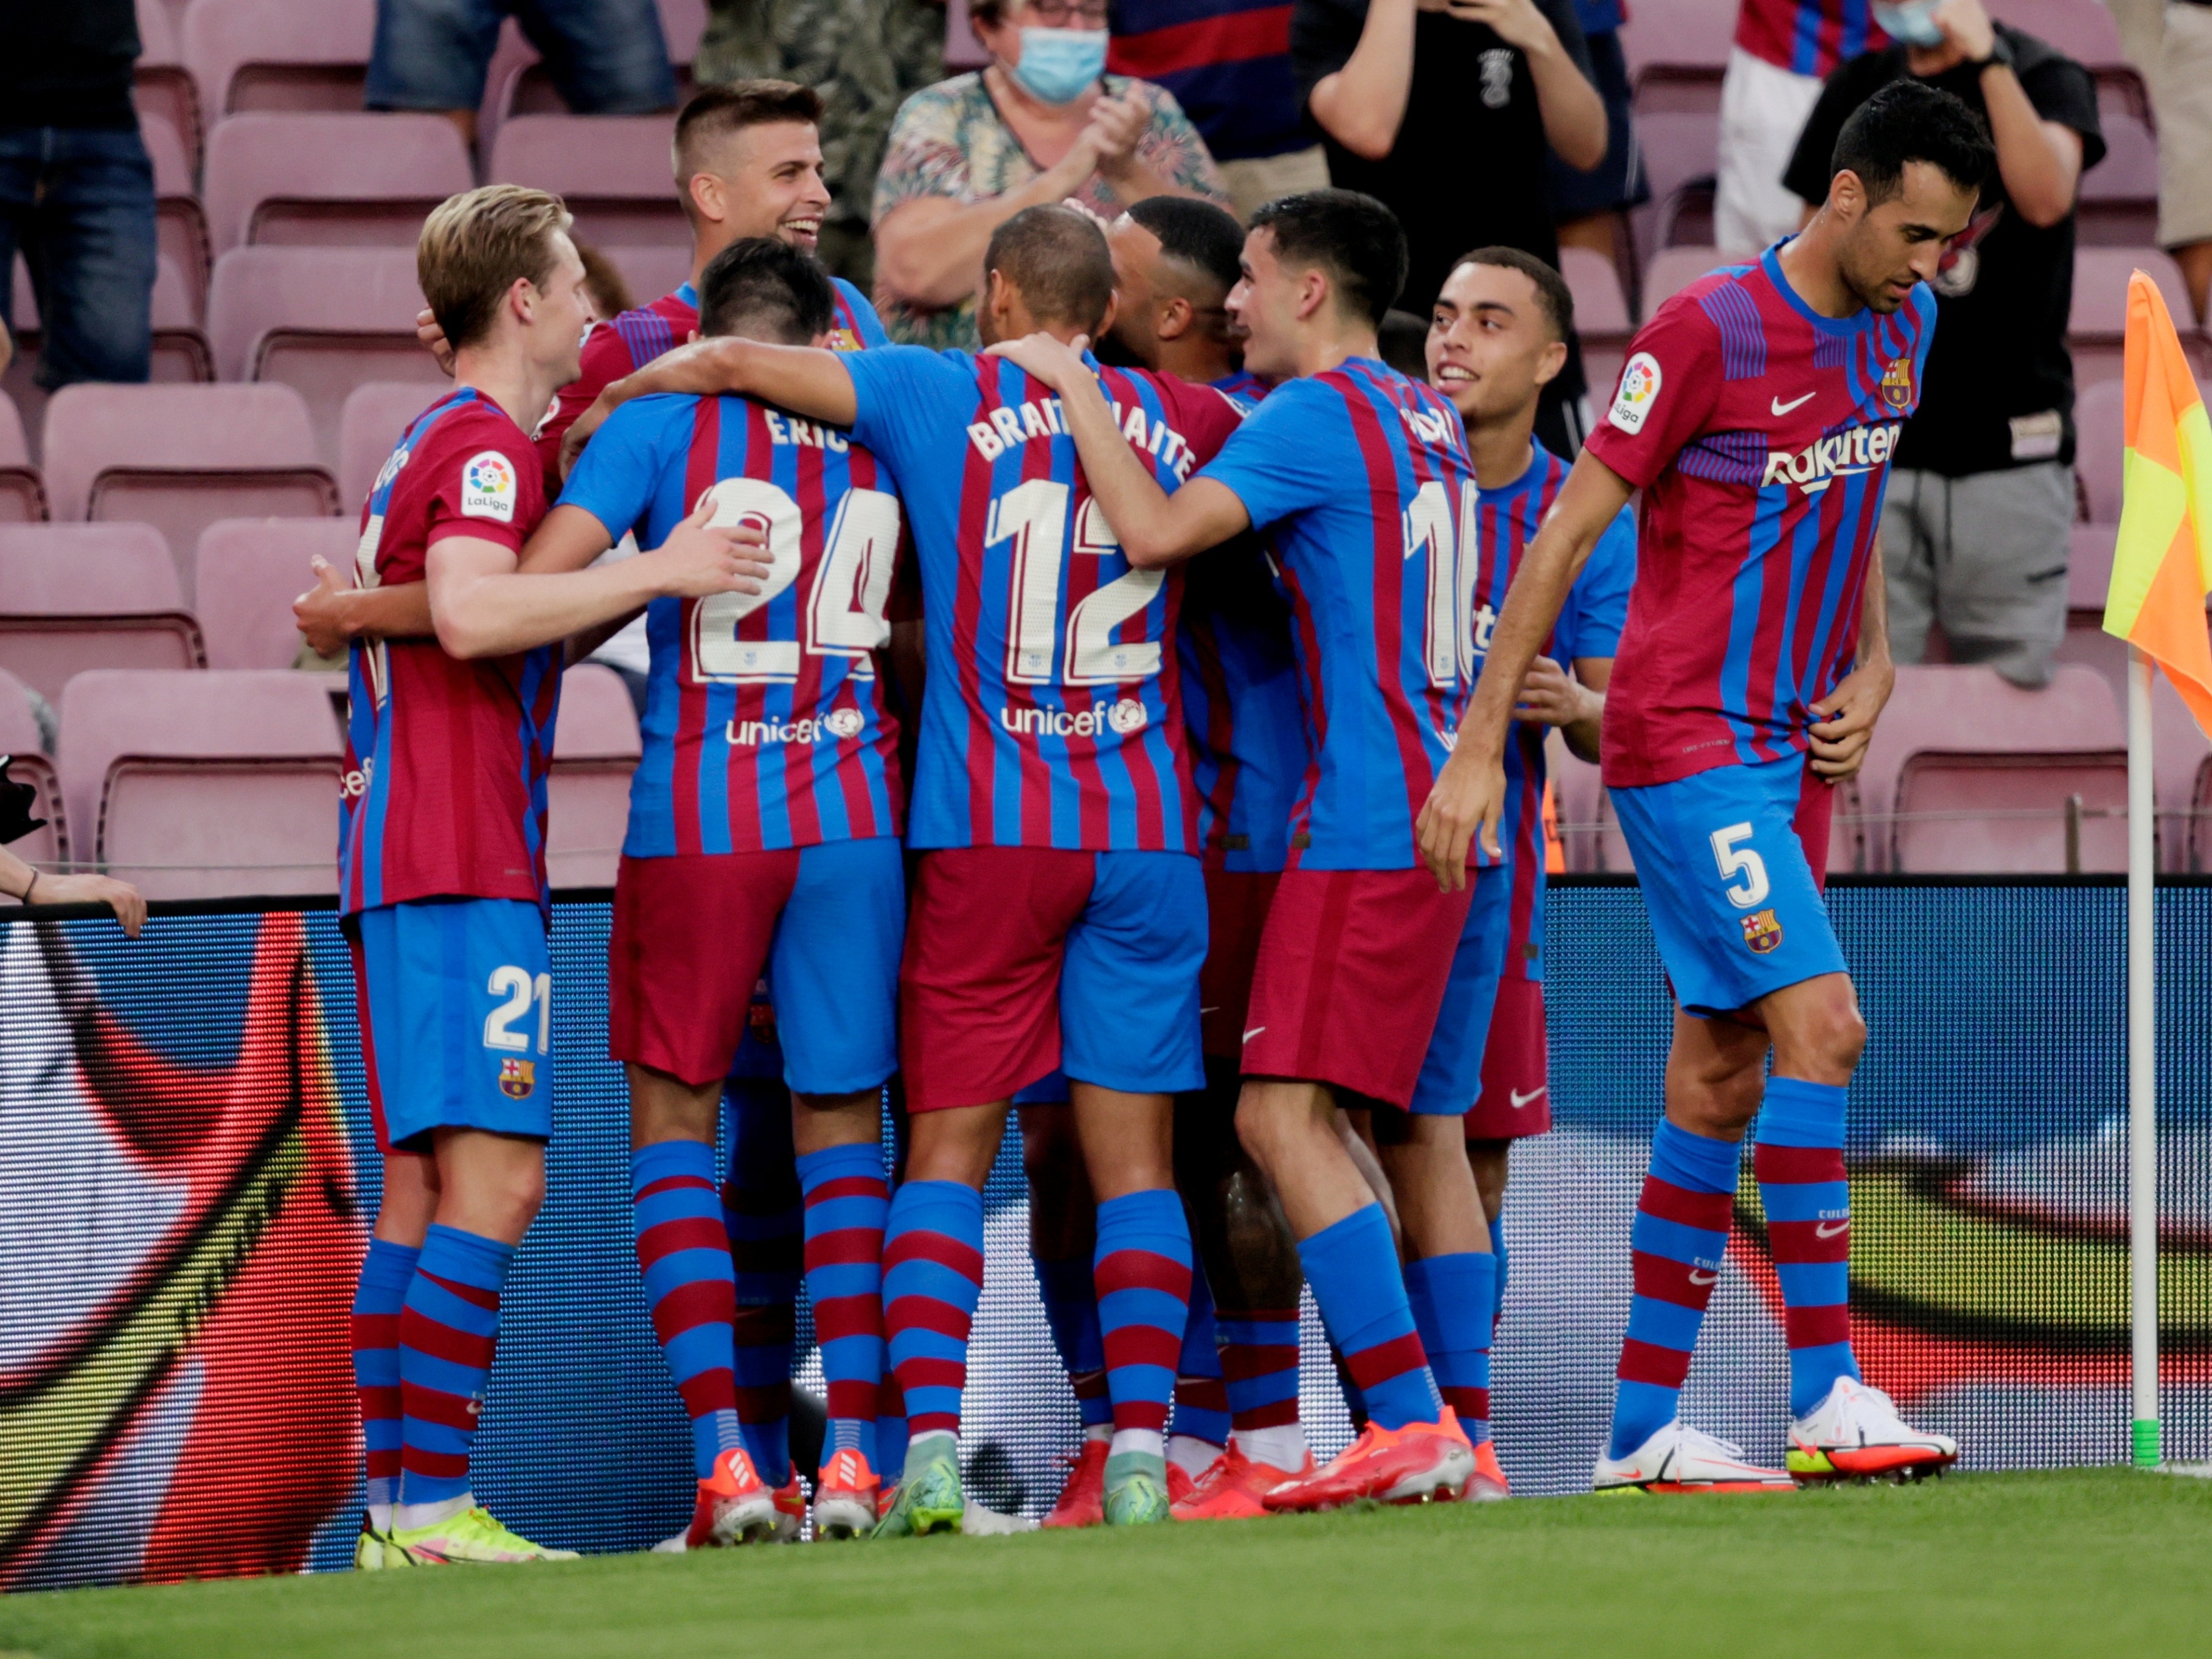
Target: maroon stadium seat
[(180, 457), (1681, 149), (2096, 326), (19, 737), (1574, 802), (205, 784), (2088, 574), (321, 321), (651, 272), (161, 86), (180, 223), (1983, 777), (325, 180), (2119, 205), (1671, 270), (80, 596), (2100, 448), (612, 170), (23, 496), (250, 571), (279, 54), (373, 416), (2181, 774), (1677, 35), (595, 749), (181, 354), (1602, 316), (518, 83)]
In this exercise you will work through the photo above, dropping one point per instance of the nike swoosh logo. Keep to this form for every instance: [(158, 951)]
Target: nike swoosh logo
[(1704, 1278), (1781, 408), (1831, 1229), (1520, 1100), (1253, 1032)]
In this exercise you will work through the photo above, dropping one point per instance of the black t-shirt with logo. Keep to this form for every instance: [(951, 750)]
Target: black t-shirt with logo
[(67, 62), (1999, 389)]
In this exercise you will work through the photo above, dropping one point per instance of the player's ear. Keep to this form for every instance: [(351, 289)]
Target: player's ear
[(1313, 292), (1550, 361), (708, 196), (1106, 317), (1847, 196), (1175, 318)]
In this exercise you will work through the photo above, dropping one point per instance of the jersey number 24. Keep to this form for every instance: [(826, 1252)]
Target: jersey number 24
[(843, 614)]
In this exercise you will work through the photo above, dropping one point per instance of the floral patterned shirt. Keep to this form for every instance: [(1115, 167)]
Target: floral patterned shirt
[(950, 140)]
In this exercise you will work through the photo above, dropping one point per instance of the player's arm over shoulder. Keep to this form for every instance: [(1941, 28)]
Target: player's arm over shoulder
[(1666, 391)]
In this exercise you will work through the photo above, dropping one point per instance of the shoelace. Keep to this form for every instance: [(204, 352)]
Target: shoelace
[(1701, 1440)]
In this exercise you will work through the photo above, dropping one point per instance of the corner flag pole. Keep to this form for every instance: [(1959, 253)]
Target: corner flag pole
[(2142, 1082)]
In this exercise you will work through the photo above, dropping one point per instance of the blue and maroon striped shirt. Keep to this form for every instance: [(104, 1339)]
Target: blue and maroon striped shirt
[(1228, 63)]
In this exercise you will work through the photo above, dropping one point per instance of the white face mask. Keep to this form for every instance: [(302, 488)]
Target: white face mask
[(1059, 65), (1913, 24)]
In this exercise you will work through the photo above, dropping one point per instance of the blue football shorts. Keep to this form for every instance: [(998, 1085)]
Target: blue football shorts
[(1451, 1072)]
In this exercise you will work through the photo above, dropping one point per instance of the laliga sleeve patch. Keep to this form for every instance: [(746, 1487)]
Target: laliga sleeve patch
[(1639, 390), (488, 487)]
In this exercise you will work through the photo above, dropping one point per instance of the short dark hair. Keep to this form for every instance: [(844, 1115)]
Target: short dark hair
[(715, 112), (1551, 290), (1205, 238), (1352, 236), (1058, 259), (765, 289), (1909, 121)]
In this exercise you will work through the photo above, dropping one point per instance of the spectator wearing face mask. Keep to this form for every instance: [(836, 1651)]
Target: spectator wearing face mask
[(1042, 122)]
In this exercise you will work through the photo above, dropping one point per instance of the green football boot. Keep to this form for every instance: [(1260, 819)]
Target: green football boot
[(1136, 1489), (929, 1497)]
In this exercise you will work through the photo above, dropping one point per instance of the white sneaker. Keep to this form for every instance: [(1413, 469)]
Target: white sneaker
[(976, 1522), (1857, 1434), (1679, 1458)]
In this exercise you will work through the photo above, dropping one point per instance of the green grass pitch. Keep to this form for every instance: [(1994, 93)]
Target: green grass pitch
[(2106, 1562)]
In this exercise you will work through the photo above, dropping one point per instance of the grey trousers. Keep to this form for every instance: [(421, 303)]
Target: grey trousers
[(1984, 556)]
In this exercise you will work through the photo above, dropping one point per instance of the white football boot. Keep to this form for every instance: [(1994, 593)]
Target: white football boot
[(1856, 1434), (1679, 1458)]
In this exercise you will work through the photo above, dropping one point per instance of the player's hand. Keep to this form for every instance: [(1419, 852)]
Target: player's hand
[(1058, 365), (121, 897), (434, 339), (1549, 698), (1517, 22), (1116, 125), (1469, 798), (320, 611), (1846, 718), (701, 558), (1966, 25)]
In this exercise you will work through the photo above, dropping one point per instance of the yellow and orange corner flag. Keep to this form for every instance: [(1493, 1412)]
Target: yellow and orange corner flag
[(2162, 566)]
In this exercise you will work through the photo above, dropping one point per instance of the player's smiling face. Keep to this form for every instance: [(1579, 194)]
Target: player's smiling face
[(1489, 347), (770, 182), (1264, 304), (1894, 244)]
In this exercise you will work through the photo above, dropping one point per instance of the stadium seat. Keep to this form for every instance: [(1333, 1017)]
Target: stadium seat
[(1680, 150), (963, 50), (250, 571), (23, 495), (2118, 204), (329, 179), (1677, 44), (162, 87), (1601, 318), (1671, 270), (206, 785), (595, 749), (651, 272), (1970, 775), (180, 457), (180, 223), (2097, 324), (322, 321), (373, 416), (181, 354), (279, 54), (518, 83), (2088, 574), (2100, 448), (1574, 788), (20, 740), (612, 170), (79, 596), (2181, 774)]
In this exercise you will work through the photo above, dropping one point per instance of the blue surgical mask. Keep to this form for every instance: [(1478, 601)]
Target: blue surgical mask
[(1913, 24), (1059, 65)]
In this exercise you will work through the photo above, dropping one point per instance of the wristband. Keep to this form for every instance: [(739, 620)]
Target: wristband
[(2000, 52)]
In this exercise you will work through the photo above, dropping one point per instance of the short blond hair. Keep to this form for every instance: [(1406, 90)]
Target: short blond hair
[(474, 245)]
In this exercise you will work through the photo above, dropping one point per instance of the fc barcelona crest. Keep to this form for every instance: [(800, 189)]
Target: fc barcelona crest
[(517, 1078), (1761, 932), (1897, 382)]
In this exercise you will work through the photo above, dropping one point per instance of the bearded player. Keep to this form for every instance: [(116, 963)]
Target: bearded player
[(442, 854), (1757, 412)]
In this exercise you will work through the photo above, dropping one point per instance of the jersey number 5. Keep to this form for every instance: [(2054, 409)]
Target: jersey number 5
[(1447, 631), (1033, 515), (1736, 861), (843, 613)]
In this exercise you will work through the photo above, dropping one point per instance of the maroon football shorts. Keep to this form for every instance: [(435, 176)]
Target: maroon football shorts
[(1516, 1096)]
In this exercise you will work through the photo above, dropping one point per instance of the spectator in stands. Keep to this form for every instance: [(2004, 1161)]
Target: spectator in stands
[(1231, 70), (1042, 122), (1981, 486), (2183, 95), (1445, 111), (863, 57), (27, 884), (1784, 50), (76, 191), (606, 57), (1589, 205)]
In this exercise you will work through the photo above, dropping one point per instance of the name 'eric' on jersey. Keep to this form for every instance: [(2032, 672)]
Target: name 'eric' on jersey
[(1053, 714)]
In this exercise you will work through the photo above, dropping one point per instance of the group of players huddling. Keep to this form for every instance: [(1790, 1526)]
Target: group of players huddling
[(1222, 681)]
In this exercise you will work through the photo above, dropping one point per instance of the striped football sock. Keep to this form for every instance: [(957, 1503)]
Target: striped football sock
[(1260, 1374), (848, 1202), (1141, 1268), (1353, 1265), (1452, 1299), (1070, 1312), (932, 1279), (447, 1331), (691, 1286), (891, 1424), (385, 1273), (1799, 1161), (762, 1213), (1678, 1241), (1201, 1393), (1498, 1254)]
